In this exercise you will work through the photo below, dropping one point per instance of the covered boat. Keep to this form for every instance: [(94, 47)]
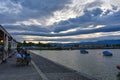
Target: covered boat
[(107, 53), (84, 51), (118, 66)]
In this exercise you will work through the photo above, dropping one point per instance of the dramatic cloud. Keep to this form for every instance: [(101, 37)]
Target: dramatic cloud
[(61, 20)]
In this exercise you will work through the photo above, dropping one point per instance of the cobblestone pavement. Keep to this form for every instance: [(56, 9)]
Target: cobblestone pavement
[(10, 71), (54, 71)]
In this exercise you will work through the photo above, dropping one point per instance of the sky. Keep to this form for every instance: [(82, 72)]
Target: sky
[(61, 21)]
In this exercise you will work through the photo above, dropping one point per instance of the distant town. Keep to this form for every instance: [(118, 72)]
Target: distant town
[(106, 44)]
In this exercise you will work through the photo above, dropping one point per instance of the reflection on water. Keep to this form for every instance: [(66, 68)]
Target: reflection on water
[(94, 63), (118, 76)]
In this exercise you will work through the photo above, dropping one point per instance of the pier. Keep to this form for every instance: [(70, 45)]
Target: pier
[(55, 71), (40, 68)]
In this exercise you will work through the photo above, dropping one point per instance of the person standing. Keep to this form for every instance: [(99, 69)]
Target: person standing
[(3, 54)]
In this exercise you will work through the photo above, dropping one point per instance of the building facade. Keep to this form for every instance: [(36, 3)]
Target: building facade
[(7, 44)]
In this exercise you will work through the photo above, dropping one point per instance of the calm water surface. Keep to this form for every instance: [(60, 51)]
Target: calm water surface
[(93, 64)]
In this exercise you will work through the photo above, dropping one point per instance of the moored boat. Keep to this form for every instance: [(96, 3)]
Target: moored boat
[(107, 53), (84, 51), (118, 66)]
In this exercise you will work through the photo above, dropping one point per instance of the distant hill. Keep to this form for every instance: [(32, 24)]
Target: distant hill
[(103, 42), (97, 42)]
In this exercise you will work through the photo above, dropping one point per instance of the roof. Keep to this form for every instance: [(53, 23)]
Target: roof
[(3, 30)]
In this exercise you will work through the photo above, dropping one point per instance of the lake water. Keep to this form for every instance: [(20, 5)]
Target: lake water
[(93, 64)]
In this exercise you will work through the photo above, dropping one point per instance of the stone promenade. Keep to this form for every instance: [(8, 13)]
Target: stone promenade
[(11, 71), (55, 71), (39, 69)]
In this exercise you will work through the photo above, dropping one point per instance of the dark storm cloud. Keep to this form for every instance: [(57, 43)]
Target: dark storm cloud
[(110, 28), (77, 39), (44, 5), (26, 10), (31, 28), (111, 19), (30, 9), (89, 18)]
